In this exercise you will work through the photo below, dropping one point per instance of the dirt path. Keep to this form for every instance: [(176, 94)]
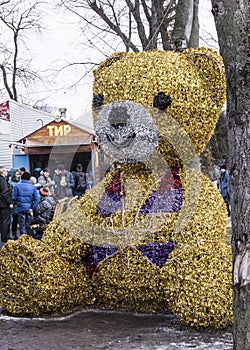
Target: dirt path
[(99, 330)]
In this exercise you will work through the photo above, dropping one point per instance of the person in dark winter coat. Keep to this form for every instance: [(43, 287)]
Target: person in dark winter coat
[(46, 205), (13, 181), (224, 186), (5, 205), (42, 214), (26, 197), (64, 183), (80, 181)]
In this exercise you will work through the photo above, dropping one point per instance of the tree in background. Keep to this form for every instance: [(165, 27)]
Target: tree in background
[(218, 143), (17, 19), (123, 25), (232, 19), (139, 25), (216, 152)]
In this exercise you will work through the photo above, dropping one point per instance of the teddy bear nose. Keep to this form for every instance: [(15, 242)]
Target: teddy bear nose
[(119, 117), (118, 125)]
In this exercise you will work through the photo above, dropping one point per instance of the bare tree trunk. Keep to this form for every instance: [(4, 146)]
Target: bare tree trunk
[(194, 36), (186, 27), (232, 19)]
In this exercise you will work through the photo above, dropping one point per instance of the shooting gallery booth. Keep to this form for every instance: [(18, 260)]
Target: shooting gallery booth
[(61, 142)]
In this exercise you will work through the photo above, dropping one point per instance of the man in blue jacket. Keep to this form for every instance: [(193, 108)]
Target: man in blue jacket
[(26, 197)]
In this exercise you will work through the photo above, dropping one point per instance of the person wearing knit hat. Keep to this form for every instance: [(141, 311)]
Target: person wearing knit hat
[(44, 191), (46, 205), (42, 214)]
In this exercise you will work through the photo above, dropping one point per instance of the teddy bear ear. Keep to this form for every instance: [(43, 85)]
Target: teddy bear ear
[(209, 65)]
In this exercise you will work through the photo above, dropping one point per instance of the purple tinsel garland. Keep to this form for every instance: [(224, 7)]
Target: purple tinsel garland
[(98, 253), (109, 204)]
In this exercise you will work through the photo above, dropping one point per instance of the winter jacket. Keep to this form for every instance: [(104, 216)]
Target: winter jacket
[(26, 196), (224, 184), (13, 183), (62, 191), (44, 209), (5, 193), (46, 182)]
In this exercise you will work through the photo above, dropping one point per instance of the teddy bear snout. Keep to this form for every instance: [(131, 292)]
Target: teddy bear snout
[(126, 131)]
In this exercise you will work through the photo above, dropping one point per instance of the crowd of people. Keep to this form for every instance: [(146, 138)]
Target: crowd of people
[(27, 202)]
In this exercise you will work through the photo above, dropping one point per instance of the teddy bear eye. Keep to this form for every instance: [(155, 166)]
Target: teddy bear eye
[(162, 101), (98, 101)]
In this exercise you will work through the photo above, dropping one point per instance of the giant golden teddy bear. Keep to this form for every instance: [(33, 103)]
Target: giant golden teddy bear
[(151, 235)]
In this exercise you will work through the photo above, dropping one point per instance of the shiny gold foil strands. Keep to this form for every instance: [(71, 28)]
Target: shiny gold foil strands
[(63, 242), (127, 281), (35, 281), (194, 80), (206, 60), (198, 218), (124, 227), (50, 276), (200, 284)]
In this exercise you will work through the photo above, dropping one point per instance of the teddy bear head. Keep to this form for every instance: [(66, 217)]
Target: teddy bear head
[(158, 100)]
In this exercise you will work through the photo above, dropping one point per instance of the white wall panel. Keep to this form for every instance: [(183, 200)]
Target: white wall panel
[(5, 151)]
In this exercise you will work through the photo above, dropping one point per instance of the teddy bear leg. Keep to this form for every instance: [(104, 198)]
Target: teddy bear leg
[(201, 289), (36, 281)]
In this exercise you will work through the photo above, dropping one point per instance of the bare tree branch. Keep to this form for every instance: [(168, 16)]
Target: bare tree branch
[(115, 28), (165, 17), (19, 17), (4, 74), (146, 11), (4, 2), (135, 10)]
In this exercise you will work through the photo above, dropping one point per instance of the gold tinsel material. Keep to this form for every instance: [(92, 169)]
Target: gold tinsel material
[(35, 281), (39, 278), (63, 242), (127, 281), (200, 287), (194, 79)]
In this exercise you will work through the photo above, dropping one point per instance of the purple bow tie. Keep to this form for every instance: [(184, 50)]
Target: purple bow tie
[(156, 253)]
